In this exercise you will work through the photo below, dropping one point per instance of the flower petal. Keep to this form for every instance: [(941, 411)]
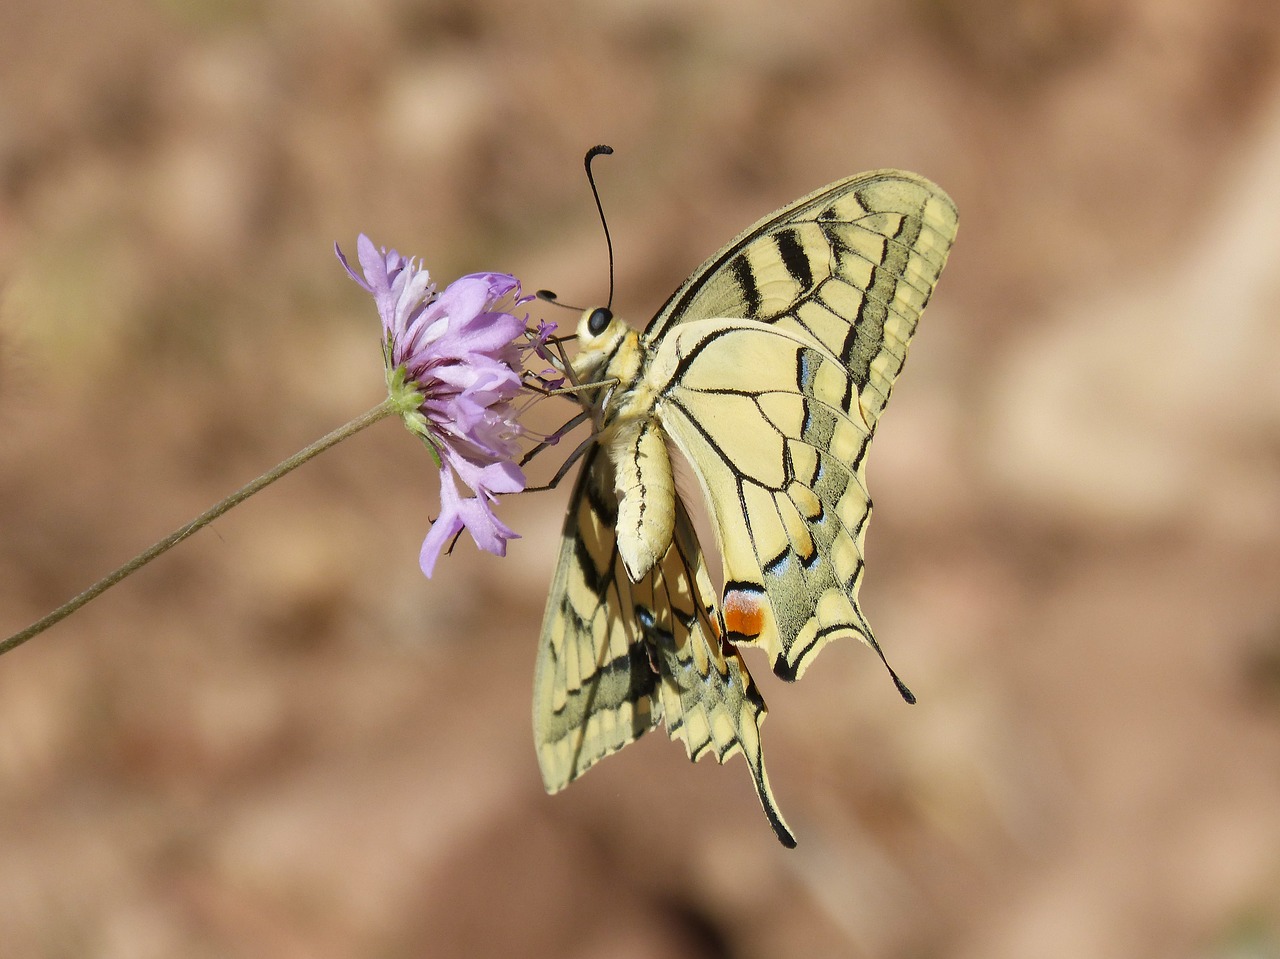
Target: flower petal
[(473, 513), (374, 265), (342, 258)]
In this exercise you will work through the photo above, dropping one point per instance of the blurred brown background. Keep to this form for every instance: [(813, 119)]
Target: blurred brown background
[(282, 741)]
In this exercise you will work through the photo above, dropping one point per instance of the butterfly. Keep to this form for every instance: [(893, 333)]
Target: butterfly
[(764, 375)]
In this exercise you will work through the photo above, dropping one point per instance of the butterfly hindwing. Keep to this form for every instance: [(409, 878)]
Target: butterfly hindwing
[(616, 656), (709, 700), (780, 463)]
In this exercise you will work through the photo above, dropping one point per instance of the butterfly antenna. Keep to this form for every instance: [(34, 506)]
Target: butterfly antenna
[(594, 152), (547, 296)]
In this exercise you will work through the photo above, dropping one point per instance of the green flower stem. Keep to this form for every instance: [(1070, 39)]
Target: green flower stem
[(383, 409)]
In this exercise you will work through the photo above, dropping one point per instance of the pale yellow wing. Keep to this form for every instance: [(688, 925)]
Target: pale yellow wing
[(594, 688), (774, 401), (709, 700), (615, 656), (781, 466), (850, 266)]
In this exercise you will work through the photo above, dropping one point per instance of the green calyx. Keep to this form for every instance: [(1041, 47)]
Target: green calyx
[(406, 400)]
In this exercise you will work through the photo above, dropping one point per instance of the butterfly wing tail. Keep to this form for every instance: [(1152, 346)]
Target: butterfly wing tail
[(706, 694), (718, 712)]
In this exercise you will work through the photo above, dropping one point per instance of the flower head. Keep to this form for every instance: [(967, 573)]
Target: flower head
[(454, 363)]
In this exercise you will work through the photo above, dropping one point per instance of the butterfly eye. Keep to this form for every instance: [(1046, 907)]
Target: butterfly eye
[(599, 320)]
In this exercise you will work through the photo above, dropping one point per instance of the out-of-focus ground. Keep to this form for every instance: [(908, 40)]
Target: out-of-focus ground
[(280, 740)]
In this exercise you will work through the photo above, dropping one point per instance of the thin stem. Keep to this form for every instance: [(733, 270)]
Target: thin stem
[(383, 409)]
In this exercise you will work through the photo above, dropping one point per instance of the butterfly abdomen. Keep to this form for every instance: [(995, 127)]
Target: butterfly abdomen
[(646, 492), (635, 443)]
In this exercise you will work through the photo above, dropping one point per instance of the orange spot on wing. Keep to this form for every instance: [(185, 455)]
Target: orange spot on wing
[(743, 613)]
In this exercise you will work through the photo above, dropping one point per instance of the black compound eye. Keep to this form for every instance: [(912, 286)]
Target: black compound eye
[(599, 320)]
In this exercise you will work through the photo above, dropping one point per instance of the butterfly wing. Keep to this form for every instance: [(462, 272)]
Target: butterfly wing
[(850, 266), (594, 688), (774, 412), (616, 657), (709, 700)]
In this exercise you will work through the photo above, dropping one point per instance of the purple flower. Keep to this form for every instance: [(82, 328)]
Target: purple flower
[(454, 366)]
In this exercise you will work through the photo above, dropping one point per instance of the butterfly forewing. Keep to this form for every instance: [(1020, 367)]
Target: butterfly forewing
[(594, 689), (851, 266)]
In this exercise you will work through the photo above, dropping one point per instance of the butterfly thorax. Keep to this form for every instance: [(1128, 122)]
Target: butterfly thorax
[(610, 351)]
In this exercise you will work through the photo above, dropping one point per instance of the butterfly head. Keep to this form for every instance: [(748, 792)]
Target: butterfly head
[(598, 325), (601, 341), (608, 352)]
